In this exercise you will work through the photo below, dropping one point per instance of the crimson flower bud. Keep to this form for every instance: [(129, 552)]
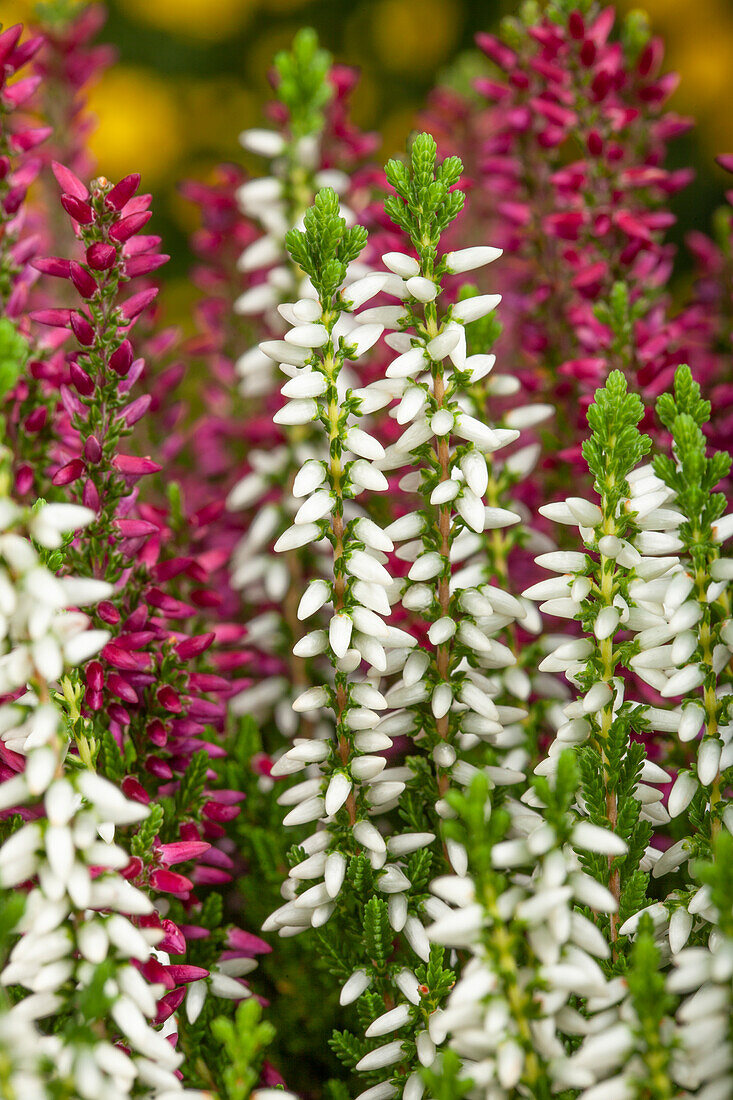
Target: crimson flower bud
[(143, 265), (92, 450), (171, 883), (122, 230), (9, 40), (108, 613), (135, 465), (123, 191), (169, 699), (121, 358), (101, 256), (576, 25), (122, 689), (133, 869), (134, 306), (14, 200), (71, 471), (82, 329), (80, 211), (217, 811), (168, 1004), (53, 265), (23, 479), (95, 676), (193, 647), (595, 143), (158, 767), (156, 733), (588, 53), (93, 699), (35, 420), (90, 495), (82, 280), (135, 790), (69, 183), (81, 380), (54, 318), (182, 850)]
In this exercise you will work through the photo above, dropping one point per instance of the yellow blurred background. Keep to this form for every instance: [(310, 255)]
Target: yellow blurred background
[(192, 74)]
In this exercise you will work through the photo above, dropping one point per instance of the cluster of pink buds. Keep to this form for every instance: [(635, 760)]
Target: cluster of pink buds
[(567, 155), (154, 709), (19, 167)]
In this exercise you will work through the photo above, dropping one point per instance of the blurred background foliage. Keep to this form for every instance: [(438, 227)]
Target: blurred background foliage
[(191, 74)]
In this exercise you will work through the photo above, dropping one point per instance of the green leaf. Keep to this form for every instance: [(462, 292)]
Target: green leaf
[(14, 354), (424, 205), (302, 82), (378, 934)]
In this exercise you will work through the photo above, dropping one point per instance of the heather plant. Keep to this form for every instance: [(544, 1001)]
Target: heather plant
[(448, 752)]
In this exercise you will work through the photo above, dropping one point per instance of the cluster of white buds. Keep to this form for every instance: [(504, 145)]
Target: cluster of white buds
[(447, 688), (77, 915), (271, 482), (351, 783), (531, 952), (76, 921), (687, 653), (277, 202), (703, 1061), (601, 586), (40, 636), (22, 1071), (609, 1063)]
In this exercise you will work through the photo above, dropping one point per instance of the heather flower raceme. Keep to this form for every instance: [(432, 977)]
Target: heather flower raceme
[(566, 158), (446, 688), (77, 950), (148, 695), (694, 641), (366, 885), (626, 540), (300, 165), (704, 1057), (19, 166), (530, 948), (68, 65)]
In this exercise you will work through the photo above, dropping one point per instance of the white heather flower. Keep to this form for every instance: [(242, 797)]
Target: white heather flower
[(76, 913)]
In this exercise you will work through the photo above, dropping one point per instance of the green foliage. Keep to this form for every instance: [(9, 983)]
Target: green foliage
[(443, 1081), (14, 354), (435, 979), (620, 314), (142, 841), (378, 934), (111, 759), (243, 1040), (616, 445), (559, 796), (360, 875), (424, 204), (652, 1008), (12, 905), (347, 1047), (694, 474), (192, 784), (325, 247), (332, 956), (635, 33), (336, 1090), (303, 85)]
